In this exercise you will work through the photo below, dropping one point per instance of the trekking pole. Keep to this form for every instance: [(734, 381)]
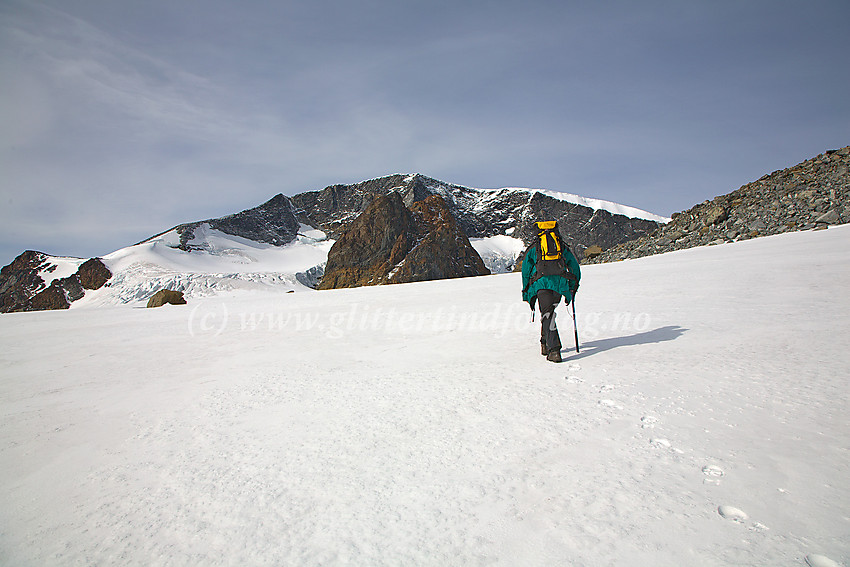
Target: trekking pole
[(575, 327)]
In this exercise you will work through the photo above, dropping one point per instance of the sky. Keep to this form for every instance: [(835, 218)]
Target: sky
[(119, 120)]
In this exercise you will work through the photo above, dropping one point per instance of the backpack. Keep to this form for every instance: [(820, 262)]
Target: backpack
[(550, 256), (550, 253)]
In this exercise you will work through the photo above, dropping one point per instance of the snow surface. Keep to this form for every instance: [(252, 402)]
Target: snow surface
[(499, 252), (59, 267), (221, 263), (703, 423)]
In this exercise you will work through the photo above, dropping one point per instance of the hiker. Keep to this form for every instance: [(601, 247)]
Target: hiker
[(549, 272)]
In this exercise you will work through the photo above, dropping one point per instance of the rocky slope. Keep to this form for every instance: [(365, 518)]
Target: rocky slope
[(812, 194), (479, 212), (24, 283), (273, 222), (392, 243)]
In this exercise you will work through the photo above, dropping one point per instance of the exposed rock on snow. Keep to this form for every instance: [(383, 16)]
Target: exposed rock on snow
[(93, 274), (164, 296), (812, 194), (273, 222), (391, 243), (24, 287), (21, 280)]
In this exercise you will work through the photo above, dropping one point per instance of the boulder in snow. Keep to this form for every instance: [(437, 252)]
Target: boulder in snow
[(164, 296)]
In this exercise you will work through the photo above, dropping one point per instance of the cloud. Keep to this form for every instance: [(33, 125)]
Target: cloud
[(118, 120)]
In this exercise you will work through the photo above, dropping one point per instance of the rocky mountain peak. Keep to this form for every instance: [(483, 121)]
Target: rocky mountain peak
[(391, 243), (480, 213)]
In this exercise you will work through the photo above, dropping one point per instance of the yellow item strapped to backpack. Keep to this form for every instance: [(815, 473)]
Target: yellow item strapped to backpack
[(550, 243)]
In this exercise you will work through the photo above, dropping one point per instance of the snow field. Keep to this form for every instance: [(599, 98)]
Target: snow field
[(703, 423), (223, 264)]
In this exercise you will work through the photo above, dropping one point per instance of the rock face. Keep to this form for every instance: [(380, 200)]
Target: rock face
[(93, 274), (23, 288), (479, 212), (812, 194), (164, 296), (273, 222), (391, 243), (20, 280), (444, 252)]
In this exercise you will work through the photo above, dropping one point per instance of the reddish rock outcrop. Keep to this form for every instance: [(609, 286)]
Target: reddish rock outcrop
[(93, 274), (389, 243), (164, 296), (20, 281), (23, 286)]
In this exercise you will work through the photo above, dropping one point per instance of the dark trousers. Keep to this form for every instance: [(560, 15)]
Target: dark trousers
[(547, 300)]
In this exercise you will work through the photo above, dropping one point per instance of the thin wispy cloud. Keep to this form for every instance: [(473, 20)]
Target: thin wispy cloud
[(118, 120)]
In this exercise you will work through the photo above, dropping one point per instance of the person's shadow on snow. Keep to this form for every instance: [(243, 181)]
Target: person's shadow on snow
[(662, 334)]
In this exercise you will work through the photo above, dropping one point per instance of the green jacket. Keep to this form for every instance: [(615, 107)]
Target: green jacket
[(559, 284)]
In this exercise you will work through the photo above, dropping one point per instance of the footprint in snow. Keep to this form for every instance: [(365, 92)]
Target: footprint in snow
[(732, 513), (574, 380), (820, 561), (712, 473), (648, 422), (574, 367), (610, 404), (660, 443), (740, 517)]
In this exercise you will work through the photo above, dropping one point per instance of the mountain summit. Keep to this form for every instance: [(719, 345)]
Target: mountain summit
[(454, 231), (481, 213)]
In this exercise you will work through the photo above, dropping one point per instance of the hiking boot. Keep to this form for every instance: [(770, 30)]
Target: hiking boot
[(544, 350), (554, 356)]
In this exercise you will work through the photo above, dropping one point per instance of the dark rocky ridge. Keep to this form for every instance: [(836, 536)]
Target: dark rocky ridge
[(480, 213), (443, 252), (273, 222), (391, 243), (812, 194), (23, 289), (20, 280)]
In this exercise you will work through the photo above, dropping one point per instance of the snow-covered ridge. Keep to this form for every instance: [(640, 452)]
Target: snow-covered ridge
[(59, 267), (451, 192), (597, 204), (216, 263)]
